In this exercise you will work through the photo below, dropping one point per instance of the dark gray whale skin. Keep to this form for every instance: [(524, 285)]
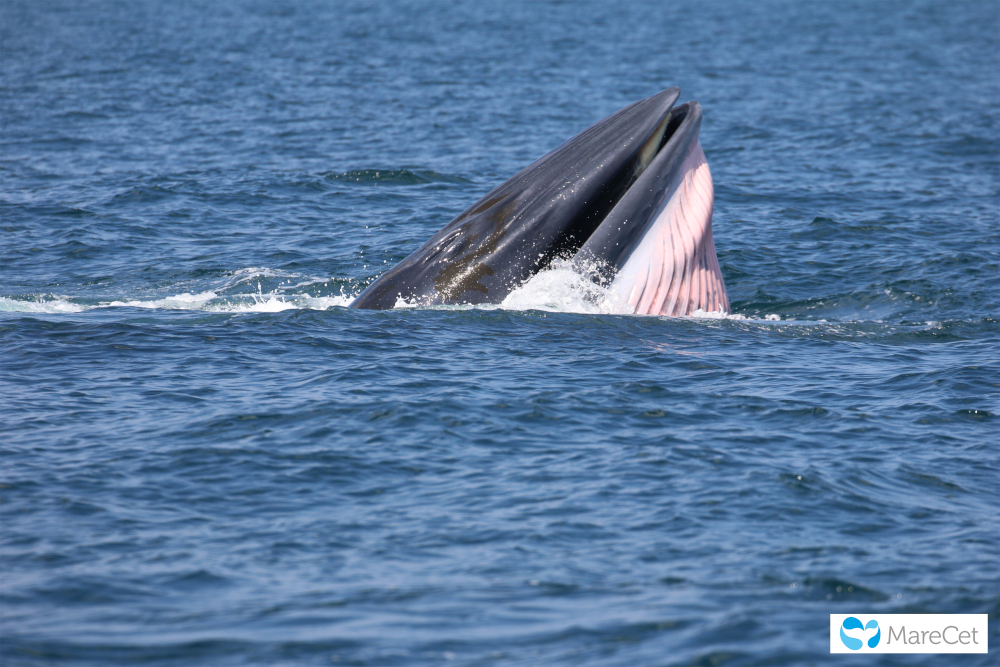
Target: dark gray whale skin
[(549, 209), (612, 243)]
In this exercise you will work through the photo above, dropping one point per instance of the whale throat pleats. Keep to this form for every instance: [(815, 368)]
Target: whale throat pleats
[(674, 270)]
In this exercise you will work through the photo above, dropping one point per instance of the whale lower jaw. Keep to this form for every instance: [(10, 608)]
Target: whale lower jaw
[(674, 270)]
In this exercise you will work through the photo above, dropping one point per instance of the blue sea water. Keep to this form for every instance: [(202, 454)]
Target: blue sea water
[(207, 459)]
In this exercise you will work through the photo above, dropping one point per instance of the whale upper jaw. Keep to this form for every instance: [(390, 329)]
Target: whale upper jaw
[(610, 198)]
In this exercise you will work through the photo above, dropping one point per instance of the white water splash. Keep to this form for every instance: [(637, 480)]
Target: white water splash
[(208, 302), (558, 289), (178, 302), (51, 305), (285, 291), (561, 289)]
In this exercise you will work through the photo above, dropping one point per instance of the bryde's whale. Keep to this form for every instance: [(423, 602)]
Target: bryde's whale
[(628, 201)]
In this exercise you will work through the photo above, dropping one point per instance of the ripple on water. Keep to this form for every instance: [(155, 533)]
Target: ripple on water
[(210, 459)]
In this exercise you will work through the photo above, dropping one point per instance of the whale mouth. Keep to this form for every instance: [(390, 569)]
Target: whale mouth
[(659, 143), (619, 192), (655, 249), (618, 187), (661, 137)]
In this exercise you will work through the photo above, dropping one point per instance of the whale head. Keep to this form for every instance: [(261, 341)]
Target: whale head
[(629, 200)]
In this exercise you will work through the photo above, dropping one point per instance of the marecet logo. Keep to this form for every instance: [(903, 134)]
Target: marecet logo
[(908, 633), (853, 643)]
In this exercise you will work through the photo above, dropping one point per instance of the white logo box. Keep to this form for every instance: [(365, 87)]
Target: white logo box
[(912, 633)]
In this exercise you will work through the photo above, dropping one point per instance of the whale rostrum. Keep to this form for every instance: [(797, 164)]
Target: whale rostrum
[(629, 201)]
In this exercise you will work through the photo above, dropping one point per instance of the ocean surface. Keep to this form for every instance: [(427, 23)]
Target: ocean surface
[(207, 459)]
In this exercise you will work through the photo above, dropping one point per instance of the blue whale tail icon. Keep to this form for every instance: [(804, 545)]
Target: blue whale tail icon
[(852, 623), (873, 642)]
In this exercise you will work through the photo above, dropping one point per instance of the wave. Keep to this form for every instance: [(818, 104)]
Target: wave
[(206, 301), (249, 290), (557, 289), (392, 177), (41, 305)]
